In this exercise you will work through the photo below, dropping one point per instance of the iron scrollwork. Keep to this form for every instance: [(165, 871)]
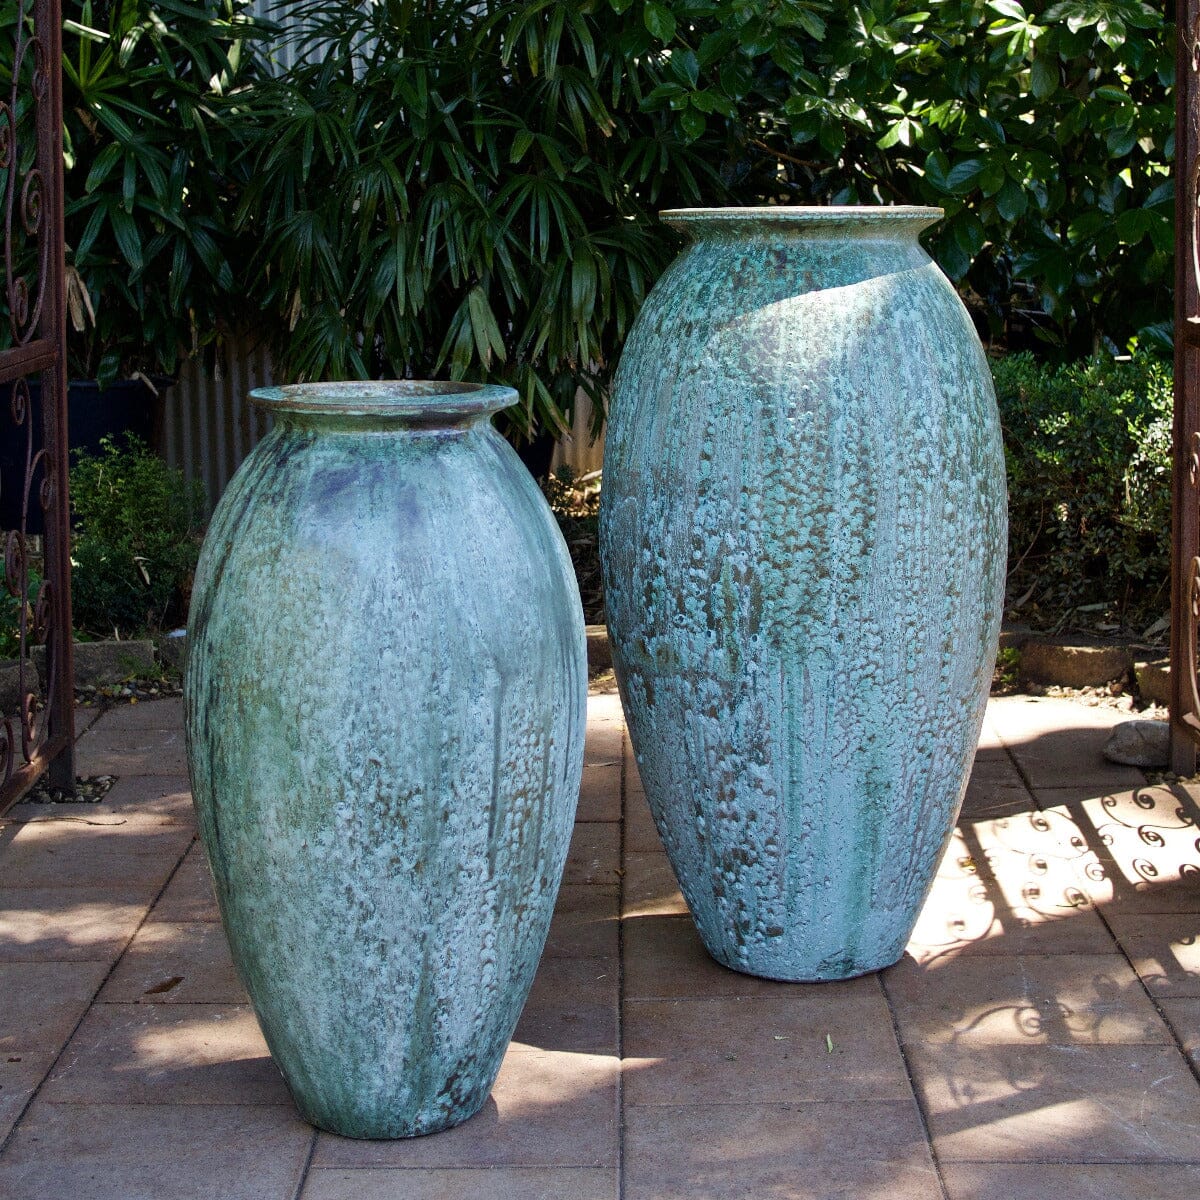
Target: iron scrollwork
[(35, 730)]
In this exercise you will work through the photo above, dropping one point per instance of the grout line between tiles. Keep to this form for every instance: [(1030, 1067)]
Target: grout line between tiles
[(912, 1087), (312, 1150)]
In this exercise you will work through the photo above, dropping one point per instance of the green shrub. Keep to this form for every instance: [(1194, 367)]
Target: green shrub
[(1088, 451), (465, 190), (135, 542), (576, 506), (11, 608)]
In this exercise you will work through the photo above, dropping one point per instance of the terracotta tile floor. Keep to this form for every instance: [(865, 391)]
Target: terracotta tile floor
[(1039, 1040)]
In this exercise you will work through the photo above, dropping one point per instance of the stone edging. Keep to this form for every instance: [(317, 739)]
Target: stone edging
[(1079, 664)]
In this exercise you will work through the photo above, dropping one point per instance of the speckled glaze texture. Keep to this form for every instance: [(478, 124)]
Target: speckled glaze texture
[(386, 704), (803, 531)]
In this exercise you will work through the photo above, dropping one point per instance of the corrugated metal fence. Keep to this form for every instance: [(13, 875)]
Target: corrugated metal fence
[(208, 424)]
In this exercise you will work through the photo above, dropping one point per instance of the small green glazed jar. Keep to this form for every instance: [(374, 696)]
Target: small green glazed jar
[(386, 704)]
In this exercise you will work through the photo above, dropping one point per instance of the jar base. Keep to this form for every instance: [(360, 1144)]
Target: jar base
[(826, 971), (388, 1127)]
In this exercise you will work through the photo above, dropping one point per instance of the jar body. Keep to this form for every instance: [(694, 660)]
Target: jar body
[(386, 705), (803, 531)]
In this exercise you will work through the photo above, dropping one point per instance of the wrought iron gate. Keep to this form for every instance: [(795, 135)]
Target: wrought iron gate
[(37, 735)]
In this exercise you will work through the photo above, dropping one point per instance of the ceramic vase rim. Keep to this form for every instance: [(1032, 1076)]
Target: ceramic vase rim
[(807, 218), (420, 400)]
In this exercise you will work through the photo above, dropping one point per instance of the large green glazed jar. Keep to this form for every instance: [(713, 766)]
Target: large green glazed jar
[(803, 531), (386, 703)]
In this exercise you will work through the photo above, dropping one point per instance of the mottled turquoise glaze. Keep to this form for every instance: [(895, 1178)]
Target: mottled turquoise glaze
[(386, 704), (803, 529)]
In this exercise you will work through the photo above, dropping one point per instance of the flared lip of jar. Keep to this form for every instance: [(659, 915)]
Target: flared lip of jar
[(406, 400), (806, 218)]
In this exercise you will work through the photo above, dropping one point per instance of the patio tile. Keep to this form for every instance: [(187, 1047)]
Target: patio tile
[(58, 853), (573, 1006), (995, 789), (165, 799), (960, 910), (167, 1054), (1076, 1181), (1059, 742), (176, 963), (641, 834), (20, 1075), (548, 1108), (605, 730), (650, 888), (63, 924), (189, 896), (595, 852), (585, 922), (111, 751), (600, 791), (1183, 1016), (43, 1002), (1163, 947), (665, 959), (154, 1151), (993, 764), (1040, 865), (487, 1183), (148, 800), (1059, 999), (968, 915), (814, 1151), (145, 714), (759, 1050), (1058, 1103), (1180, 894), (1147, 845)]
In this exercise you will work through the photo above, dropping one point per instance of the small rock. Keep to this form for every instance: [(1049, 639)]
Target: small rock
[(1139, 744)]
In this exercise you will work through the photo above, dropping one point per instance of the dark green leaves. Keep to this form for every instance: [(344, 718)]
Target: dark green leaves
[(475, 198), (151, 173), (660, 21)]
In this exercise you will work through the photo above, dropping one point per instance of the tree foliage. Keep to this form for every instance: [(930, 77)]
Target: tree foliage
[(1045, 130), (468, 188), (465, 189), (149, 142)]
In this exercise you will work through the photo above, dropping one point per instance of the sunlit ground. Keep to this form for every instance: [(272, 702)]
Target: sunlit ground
[(1038, 1039)]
